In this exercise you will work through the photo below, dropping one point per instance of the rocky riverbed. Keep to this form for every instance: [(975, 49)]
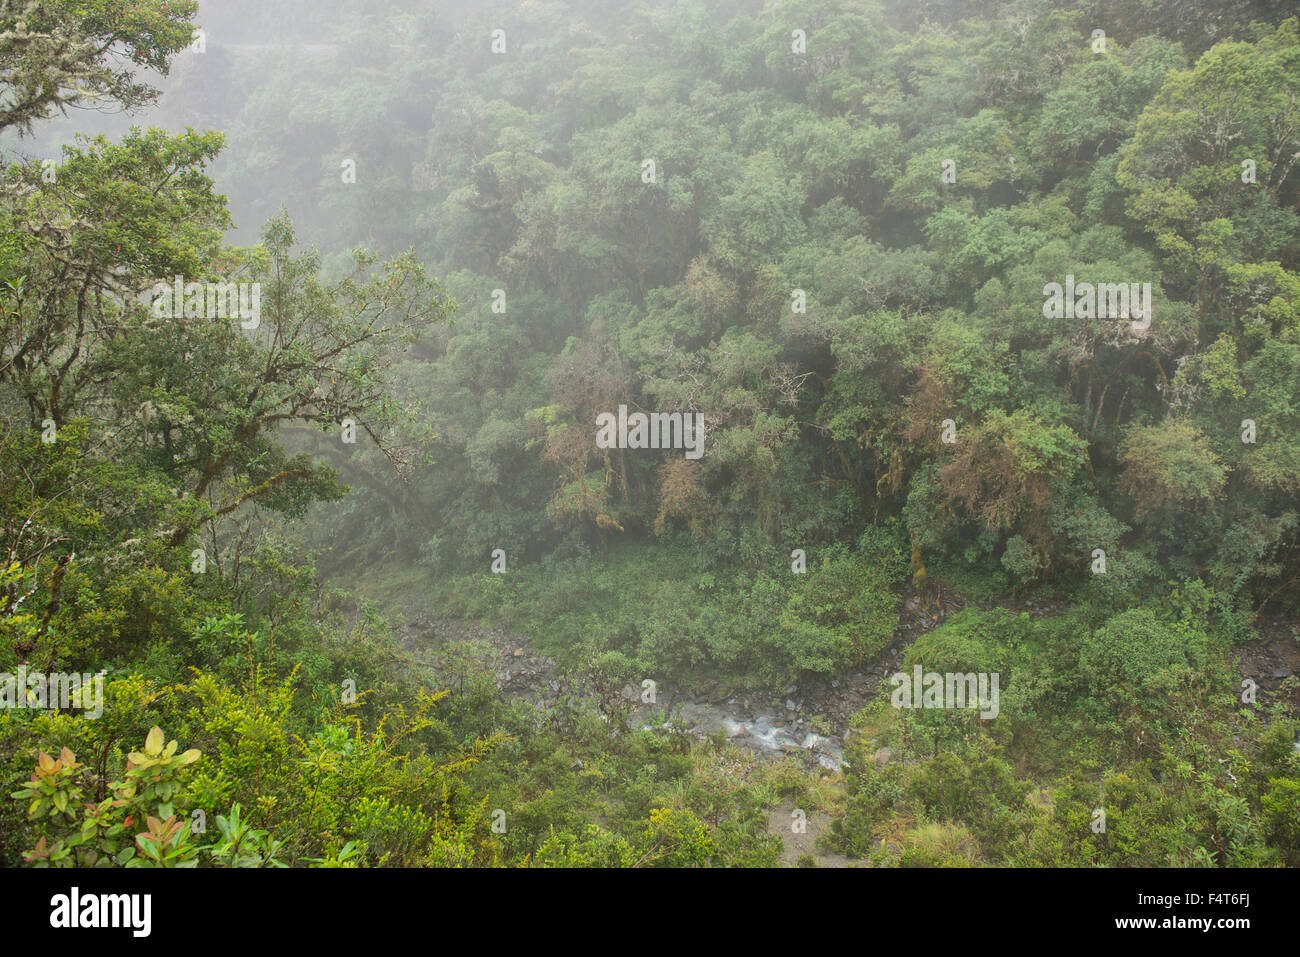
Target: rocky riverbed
[(808, 719)]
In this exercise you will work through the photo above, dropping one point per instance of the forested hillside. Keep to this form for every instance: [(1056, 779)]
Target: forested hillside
[(990, 312)]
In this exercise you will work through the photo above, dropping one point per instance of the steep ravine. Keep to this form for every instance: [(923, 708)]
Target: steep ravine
[(810, 718)]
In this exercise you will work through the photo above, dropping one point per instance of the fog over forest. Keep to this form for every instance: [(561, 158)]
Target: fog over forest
[(596, 434)]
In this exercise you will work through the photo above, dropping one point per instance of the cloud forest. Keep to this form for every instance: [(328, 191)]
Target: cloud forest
[(596, 434)]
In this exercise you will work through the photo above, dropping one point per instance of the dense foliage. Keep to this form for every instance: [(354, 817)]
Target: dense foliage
[(830, 227)]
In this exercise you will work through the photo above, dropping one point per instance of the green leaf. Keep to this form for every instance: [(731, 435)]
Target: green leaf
[(153, 744)]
